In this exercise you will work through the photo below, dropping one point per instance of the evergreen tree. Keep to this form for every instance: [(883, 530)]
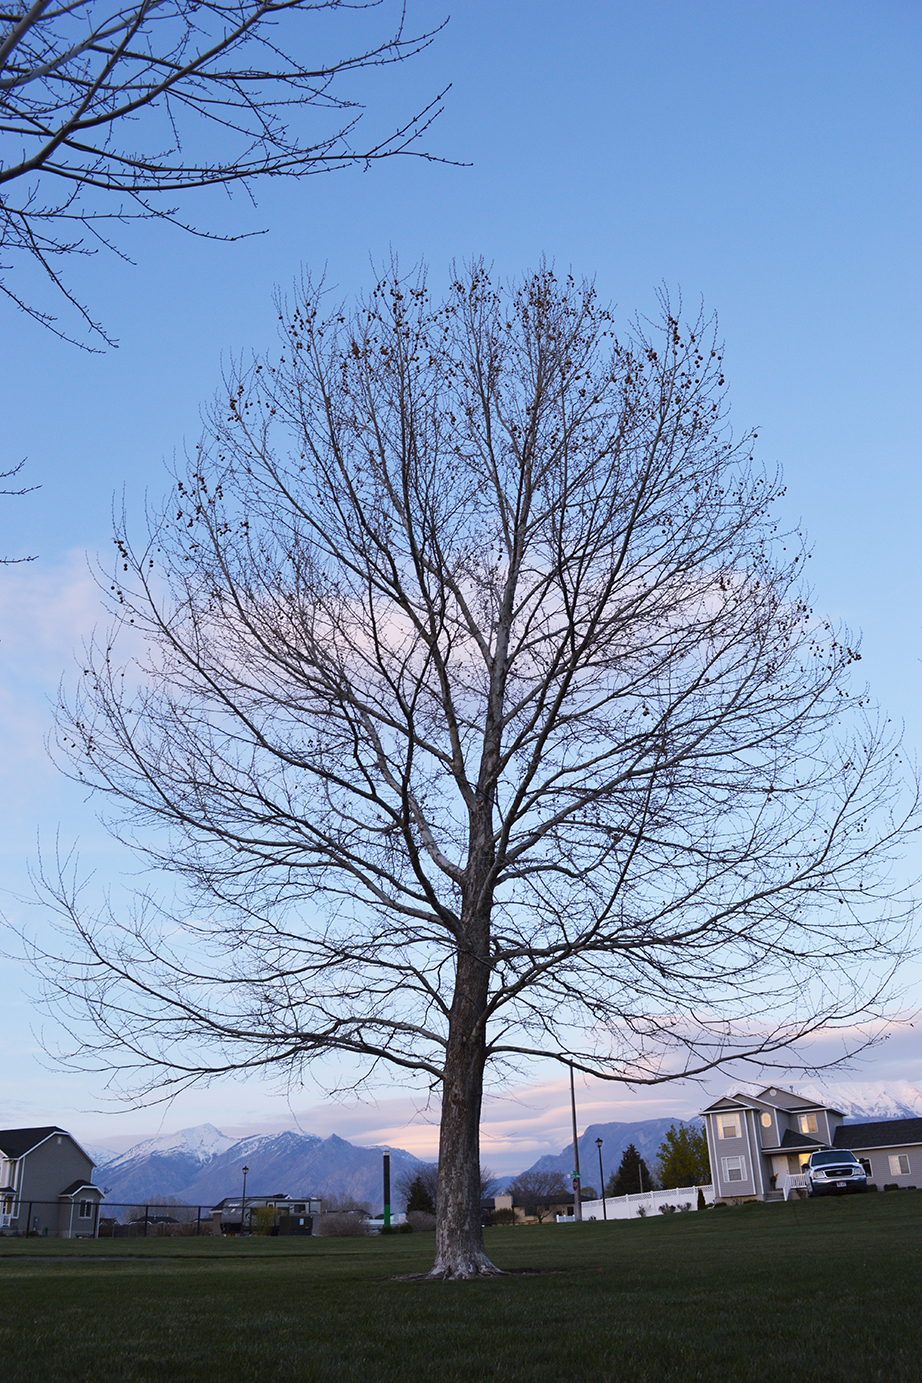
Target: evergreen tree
[(683, 1157), (419, 1197), (632, 1175)]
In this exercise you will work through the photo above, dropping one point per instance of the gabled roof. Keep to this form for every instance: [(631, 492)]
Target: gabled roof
[(726, 1102), (771, 1098), (17, 1142), (886, 1133), (792, 1141), (79, 1185), (791, 1103)]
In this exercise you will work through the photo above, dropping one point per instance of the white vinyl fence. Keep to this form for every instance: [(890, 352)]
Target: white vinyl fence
[(646, 1203)]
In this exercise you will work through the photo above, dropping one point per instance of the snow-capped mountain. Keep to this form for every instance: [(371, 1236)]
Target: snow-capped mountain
[(860, 1102), (199, 1144), (202, 1166), (865, 1103), (98, 1153)]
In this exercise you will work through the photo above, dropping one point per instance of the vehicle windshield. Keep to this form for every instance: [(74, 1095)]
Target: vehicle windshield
[(826, 1159)]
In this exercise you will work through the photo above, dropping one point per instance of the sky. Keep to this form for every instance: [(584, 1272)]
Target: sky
[(761, 157)]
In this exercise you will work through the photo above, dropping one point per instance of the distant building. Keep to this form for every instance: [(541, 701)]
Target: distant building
[(756, 1141), (46, 1184)]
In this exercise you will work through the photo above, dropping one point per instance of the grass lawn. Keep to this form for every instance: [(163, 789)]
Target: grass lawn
[(825, 1291)]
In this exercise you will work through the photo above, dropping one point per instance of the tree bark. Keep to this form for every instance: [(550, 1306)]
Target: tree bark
[(459, 1234)]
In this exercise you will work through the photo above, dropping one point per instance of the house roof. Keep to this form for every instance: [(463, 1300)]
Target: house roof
[(886, 1133), (771, 1098), (16, 1142), (791, 1141), (79, 1185), (791, 1103), (235, 1202)]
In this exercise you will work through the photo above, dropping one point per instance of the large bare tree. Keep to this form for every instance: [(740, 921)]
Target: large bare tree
[(109, 109), (485, 719)]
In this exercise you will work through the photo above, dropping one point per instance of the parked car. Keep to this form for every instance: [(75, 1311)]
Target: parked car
[(831, 1173)]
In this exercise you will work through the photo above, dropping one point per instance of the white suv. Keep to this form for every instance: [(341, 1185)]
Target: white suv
[(831, 1173)]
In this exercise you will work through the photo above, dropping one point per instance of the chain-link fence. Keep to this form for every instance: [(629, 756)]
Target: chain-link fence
[(87, 1217)]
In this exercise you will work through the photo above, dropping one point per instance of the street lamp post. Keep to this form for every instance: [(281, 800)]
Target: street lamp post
[(598, 1143), (243, 1202)]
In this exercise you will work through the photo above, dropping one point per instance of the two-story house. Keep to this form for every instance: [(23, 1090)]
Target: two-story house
[(755, 1141), (46, 1184)]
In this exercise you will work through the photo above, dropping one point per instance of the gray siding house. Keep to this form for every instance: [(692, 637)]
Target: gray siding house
[(46, 1184), (892, 1148), (755, 1141)]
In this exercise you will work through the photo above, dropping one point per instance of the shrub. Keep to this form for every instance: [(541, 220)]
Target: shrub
[(397, 1229), (341, 1224), (890, 1186), (420, 1220), (641, 1212), (502, 1217), (667, 1209), (702, 1203), (262, 1219)]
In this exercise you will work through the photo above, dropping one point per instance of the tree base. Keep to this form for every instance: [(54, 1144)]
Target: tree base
[(463, 1272), (457, 1267)]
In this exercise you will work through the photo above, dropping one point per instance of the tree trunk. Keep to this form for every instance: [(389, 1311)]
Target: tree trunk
[(459, 1233)]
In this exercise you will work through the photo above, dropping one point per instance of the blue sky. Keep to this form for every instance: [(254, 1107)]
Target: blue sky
[(763, 157)]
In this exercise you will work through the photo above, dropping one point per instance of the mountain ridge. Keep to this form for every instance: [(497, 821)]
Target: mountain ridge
[(202, 1165)]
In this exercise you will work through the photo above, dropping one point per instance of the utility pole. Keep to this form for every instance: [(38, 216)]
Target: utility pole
[(577, 1206)]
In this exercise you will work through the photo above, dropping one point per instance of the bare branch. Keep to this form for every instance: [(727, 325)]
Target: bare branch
[(224, 92)]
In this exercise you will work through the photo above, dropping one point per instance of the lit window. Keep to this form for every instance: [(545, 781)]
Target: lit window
[(729, 1126), (808, 1123), (766, 1120), (734, 1168), (899, 1165)]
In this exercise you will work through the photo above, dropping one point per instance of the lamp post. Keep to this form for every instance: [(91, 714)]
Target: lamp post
[(598, 1143), (243, 1201)]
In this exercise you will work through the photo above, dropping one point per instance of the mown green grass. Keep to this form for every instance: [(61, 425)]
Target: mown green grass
[(811, 1292)]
